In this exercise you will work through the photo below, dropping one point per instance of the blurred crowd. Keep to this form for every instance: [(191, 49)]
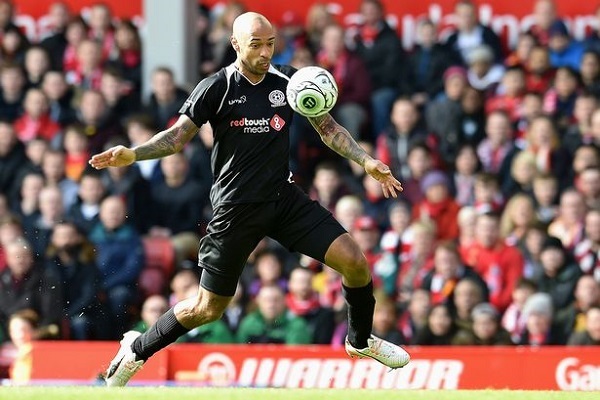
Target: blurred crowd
[(494, 241)]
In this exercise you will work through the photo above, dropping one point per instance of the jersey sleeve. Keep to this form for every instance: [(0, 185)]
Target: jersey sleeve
[(204, 101)]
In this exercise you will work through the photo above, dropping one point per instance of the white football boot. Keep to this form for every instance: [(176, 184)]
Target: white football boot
[(124, 365), (387, 353)]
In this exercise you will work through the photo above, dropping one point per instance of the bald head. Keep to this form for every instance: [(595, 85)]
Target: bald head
[(248, 23)]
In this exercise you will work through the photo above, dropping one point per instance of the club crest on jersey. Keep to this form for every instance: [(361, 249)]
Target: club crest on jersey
[(277, 98)]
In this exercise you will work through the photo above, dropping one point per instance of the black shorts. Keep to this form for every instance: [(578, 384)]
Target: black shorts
[(294, 220)]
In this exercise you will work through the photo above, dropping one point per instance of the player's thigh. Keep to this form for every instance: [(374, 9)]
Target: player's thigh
[(232, 235), (303, 225)]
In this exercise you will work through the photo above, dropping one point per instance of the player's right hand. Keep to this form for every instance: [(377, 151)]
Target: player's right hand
[(381, 172), (118, 156)]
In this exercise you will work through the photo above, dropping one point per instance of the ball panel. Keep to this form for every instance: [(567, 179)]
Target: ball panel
[(312, 91)]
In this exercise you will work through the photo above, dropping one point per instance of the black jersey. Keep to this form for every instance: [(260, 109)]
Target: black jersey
[(250, 122)]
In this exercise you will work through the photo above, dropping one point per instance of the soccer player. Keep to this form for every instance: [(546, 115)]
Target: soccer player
[(253, 196)]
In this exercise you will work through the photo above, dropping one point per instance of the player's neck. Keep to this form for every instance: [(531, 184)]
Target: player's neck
[(252, 78)]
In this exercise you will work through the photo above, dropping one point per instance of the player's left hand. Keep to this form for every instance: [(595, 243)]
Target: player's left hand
[(378, 170)]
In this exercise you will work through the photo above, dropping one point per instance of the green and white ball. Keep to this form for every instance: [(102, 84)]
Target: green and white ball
[(312, 91)]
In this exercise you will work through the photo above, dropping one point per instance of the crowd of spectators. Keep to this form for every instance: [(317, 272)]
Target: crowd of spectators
[(494, 241)]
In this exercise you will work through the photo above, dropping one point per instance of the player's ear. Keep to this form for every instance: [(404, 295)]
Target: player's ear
[(235, 43)]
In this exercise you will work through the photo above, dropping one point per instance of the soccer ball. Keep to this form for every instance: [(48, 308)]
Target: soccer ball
[(312, 91)]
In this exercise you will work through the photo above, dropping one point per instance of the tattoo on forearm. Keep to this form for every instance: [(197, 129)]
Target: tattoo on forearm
[(166, 142), (162, 144), (339, 139)]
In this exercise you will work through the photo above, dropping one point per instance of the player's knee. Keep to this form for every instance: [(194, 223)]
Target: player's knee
[(359, 260), (357, 263), (361, 266)]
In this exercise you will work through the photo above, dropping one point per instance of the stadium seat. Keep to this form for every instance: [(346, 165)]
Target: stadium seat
[(152, 281), (160, 254), (159, 266)]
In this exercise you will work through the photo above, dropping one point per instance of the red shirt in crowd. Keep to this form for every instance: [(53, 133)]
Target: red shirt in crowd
[(28, 128), (444, 214), (509, 104), (500, 267), (75, 164), (2, 259), (539, 83)]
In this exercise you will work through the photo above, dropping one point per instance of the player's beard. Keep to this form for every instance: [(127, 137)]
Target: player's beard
[(258, 69), (264, 65)]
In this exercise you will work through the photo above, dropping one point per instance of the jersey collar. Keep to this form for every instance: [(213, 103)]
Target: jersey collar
[(246, 78)]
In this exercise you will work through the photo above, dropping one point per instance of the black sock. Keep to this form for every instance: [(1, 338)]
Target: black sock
[(164, 332), (361, 305)]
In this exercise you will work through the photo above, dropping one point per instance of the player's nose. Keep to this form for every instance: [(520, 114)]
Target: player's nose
[(266, 52)]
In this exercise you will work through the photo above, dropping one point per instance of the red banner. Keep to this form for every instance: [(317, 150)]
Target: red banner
[(505, 17), (547, 368), (86, 361)]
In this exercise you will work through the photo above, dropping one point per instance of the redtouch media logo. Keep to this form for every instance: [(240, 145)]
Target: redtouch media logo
[(259, 125)]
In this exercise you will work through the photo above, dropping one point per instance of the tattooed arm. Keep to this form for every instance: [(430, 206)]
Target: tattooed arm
[(338, 139), (164, 143), (167, 142)]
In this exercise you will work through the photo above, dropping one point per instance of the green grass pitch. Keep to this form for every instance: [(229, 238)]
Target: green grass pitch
[(173, 393)]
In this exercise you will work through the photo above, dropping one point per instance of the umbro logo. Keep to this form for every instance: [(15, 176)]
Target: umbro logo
[(241, 100)]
